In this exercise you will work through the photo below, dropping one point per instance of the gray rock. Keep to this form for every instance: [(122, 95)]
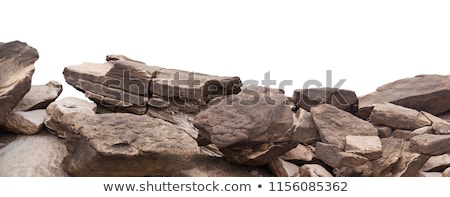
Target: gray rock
[(16, 70), (384, 131), (29, 122), (39, 96), (334, 125), (313, 170), (398, 117), (439, 125), (431, 144), (65, 106), (305, 129), (429, 93), (38, 155), (367, 146), (340, 98), (282, 168), (436, 163)]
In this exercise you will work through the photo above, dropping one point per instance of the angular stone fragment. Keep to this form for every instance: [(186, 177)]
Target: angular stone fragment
[(301, 153), (39, 96), (16, 69), (439, 125), (334, 125), (305, 129), (431, 144), (28, 123), (402, 134), (429, 93), (398, 117), (436, 163), (331, 155), (367, 146), (383, 131), (313, 170), (283, 168), (342, 99)]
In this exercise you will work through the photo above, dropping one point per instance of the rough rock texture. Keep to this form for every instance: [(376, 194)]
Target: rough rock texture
[(402, 134), (334, 125), (396, 159), (38, 155), (342, 99), (313, 170), (250, 127), (367, 146), (445, 116), (6, 138), (125, 85), (439, 125), (299, 153), (39, 96), (398, 117), (429, 93), (431, 144), (282, 168), (305, 129), (65, 106), (436, 163), (16, 69), (29, 122), (446, 172), (384, 131)]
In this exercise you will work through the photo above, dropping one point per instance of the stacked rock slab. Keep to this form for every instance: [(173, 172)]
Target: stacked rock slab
[(250, 128), (340, 98), (428, 93), (16, 69), (125, 85)]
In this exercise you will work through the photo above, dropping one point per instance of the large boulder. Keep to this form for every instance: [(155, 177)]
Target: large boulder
[(252, 127), (431, 144), (38, 155), (340, 98), (16, 70), (429, 93), (335, 124)]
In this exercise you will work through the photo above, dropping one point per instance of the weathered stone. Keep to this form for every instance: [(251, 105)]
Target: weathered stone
[(383, 131), (334, 125), (396, 159), (436, 163), (305, 129), (364, 170), (29, 122), (301, 153), (39, 96), (430, 144), (313, 170), (16, 70), (332, 156), (6, 138), (398, 117), (342, 99), (429, 93), (367, 146), (446, 172), (58, 109), (38, 155), (158, 103), (172, 83), (402, 134), (445, 116), (282, 168), (440, 126), (423, 130), (256, 115)]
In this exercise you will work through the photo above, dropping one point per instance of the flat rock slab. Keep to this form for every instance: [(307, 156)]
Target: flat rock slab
[(367, 146), (332, 156), (38, 155), (431, 144), (439, 125), (16, 70), (313, 170), (28, 123), (39, 96), (429, 93), (305, 129), (398, 117), (335, 124), (436, 163), (282, 168), (340, 98)]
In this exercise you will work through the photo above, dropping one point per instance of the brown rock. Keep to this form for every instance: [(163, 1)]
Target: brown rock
[(342, 99), (402, 134), (283, 168), (429, 93), (6, 138), (445, 116), (39, 96), (367, 146), (313, 170), (383, 131), (334, 125), (430, 144), (38, 155), (28, 123), (398, 117), (423, 130), (299, 153), (16, 69), (439, 125), (305, 129), (331, 155), (430, 174), (446, 173), (436, 163)]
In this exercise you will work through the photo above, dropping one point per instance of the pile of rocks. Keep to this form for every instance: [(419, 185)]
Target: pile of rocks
[(151, 121)]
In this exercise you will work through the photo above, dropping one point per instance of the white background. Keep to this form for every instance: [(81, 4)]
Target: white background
[(369, 43)]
